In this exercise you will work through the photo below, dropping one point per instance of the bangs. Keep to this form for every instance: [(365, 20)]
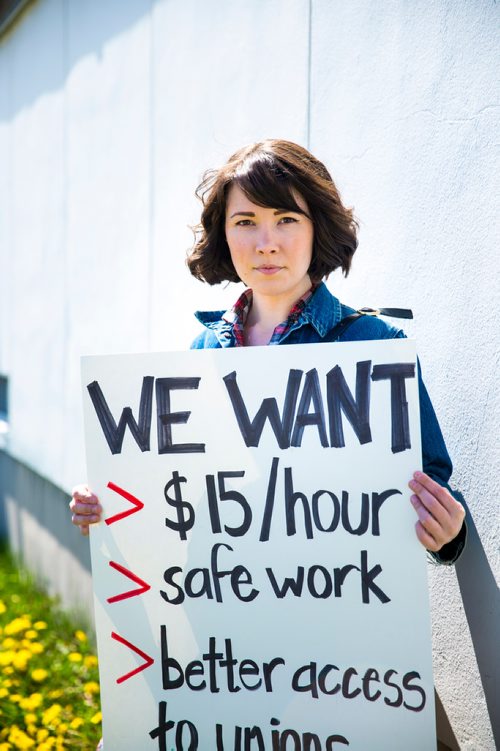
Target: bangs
[(266, 182)]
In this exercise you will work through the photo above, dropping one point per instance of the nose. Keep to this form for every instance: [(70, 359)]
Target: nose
[(266, 242)]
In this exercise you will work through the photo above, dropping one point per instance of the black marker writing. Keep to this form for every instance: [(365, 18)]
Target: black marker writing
[(397, 373), (141, 429), (289, 425), (165, 725), (251, 430), (184, 510), (166, 418), (114, 433), (225, 496), (340, 399), (321, 583), (206, 582)]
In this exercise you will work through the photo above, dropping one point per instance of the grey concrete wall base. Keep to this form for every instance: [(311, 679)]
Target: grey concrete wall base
[(34, 518)]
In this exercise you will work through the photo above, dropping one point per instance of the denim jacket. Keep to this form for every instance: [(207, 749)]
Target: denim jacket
[(321, 314)]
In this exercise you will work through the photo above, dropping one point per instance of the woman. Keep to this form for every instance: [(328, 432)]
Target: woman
[(273, 219)]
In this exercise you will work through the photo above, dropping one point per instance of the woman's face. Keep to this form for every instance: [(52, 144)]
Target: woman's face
[(271, 249)]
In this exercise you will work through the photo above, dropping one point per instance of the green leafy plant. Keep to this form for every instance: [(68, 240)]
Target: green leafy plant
[(49, 684)]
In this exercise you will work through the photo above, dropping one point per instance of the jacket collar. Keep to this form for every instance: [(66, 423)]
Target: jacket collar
[(322, 311), (214, 321)]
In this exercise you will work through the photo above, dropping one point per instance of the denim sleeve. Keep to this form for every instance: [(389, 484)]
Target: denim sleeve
[(437, 464)]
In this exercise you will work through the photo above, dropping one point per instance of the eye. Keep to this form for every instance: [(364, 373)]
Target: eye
[(288, 220), (244, 223)]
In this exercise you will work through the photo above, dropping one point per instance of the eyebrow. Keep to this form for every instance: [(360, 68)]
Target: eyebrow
[(276, 213)]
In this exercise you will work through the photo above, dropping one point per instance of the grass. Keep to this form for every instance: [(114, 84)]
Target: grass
[(49, 685)]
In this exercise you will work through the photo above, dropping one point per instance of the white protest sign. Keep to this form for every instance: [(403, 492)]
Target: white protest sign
[(258, 581)]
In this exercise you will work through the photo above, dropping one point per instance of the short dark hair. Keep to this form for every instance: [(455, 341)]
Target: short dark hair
[(269, 173)]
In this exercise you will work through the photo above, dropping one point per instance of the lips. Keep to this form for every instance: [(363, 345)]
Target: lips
[(268, 269)]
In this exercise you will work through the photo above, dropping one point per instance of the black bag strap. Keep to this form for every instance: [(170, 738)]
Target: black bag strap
[(344, 324)]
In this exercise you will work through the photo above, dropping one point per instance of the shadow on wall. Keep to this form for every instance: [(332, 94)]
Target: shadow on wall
[(481, 601), (446, 740), (60, 35), (22, 491)]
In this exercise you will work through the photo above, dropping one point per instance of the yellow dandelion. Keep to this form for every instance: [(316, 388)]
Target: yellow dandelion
[(15, 698), (74, 657), (5, 746), (55, 694), (51, 715), (31, 730), (9, 643), (81, 635), (36, 648), (31, 634), (76, 723), (7, 670), (3, 607), (31, 702), (7, 657), (18, 624), (3, 693), (40, 625), (90, 661), (20, 659), (42, 735), (47, 745), (91, 687), (30, 718), (19, 739), (39, 675), (96, 719)]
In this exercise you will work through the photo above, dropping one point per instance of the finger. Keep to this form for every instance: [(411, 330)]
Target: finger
[(427, 506), (436, 534), (83, 494), (422, 482), (81, 520), (444, 507), (424, 479), (439, 502), (426, 539), (85, 509), (427, 521)]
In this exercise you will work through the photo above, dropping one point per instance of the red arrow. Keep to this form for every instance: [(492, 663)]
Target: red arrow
[(138, 505), (143, 586), (148, 660)]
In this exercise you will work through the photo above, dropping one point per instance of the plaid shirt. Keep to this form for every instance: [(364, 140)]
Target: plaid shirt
[(238, 315)]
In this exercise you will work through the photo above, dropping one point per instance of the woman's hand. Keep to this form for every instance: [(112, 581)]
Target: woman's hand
[(440, 516), (85, 507)]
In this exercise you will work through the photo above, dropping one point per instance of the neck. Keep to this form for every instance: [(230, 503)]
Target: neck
[(266, 313)]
